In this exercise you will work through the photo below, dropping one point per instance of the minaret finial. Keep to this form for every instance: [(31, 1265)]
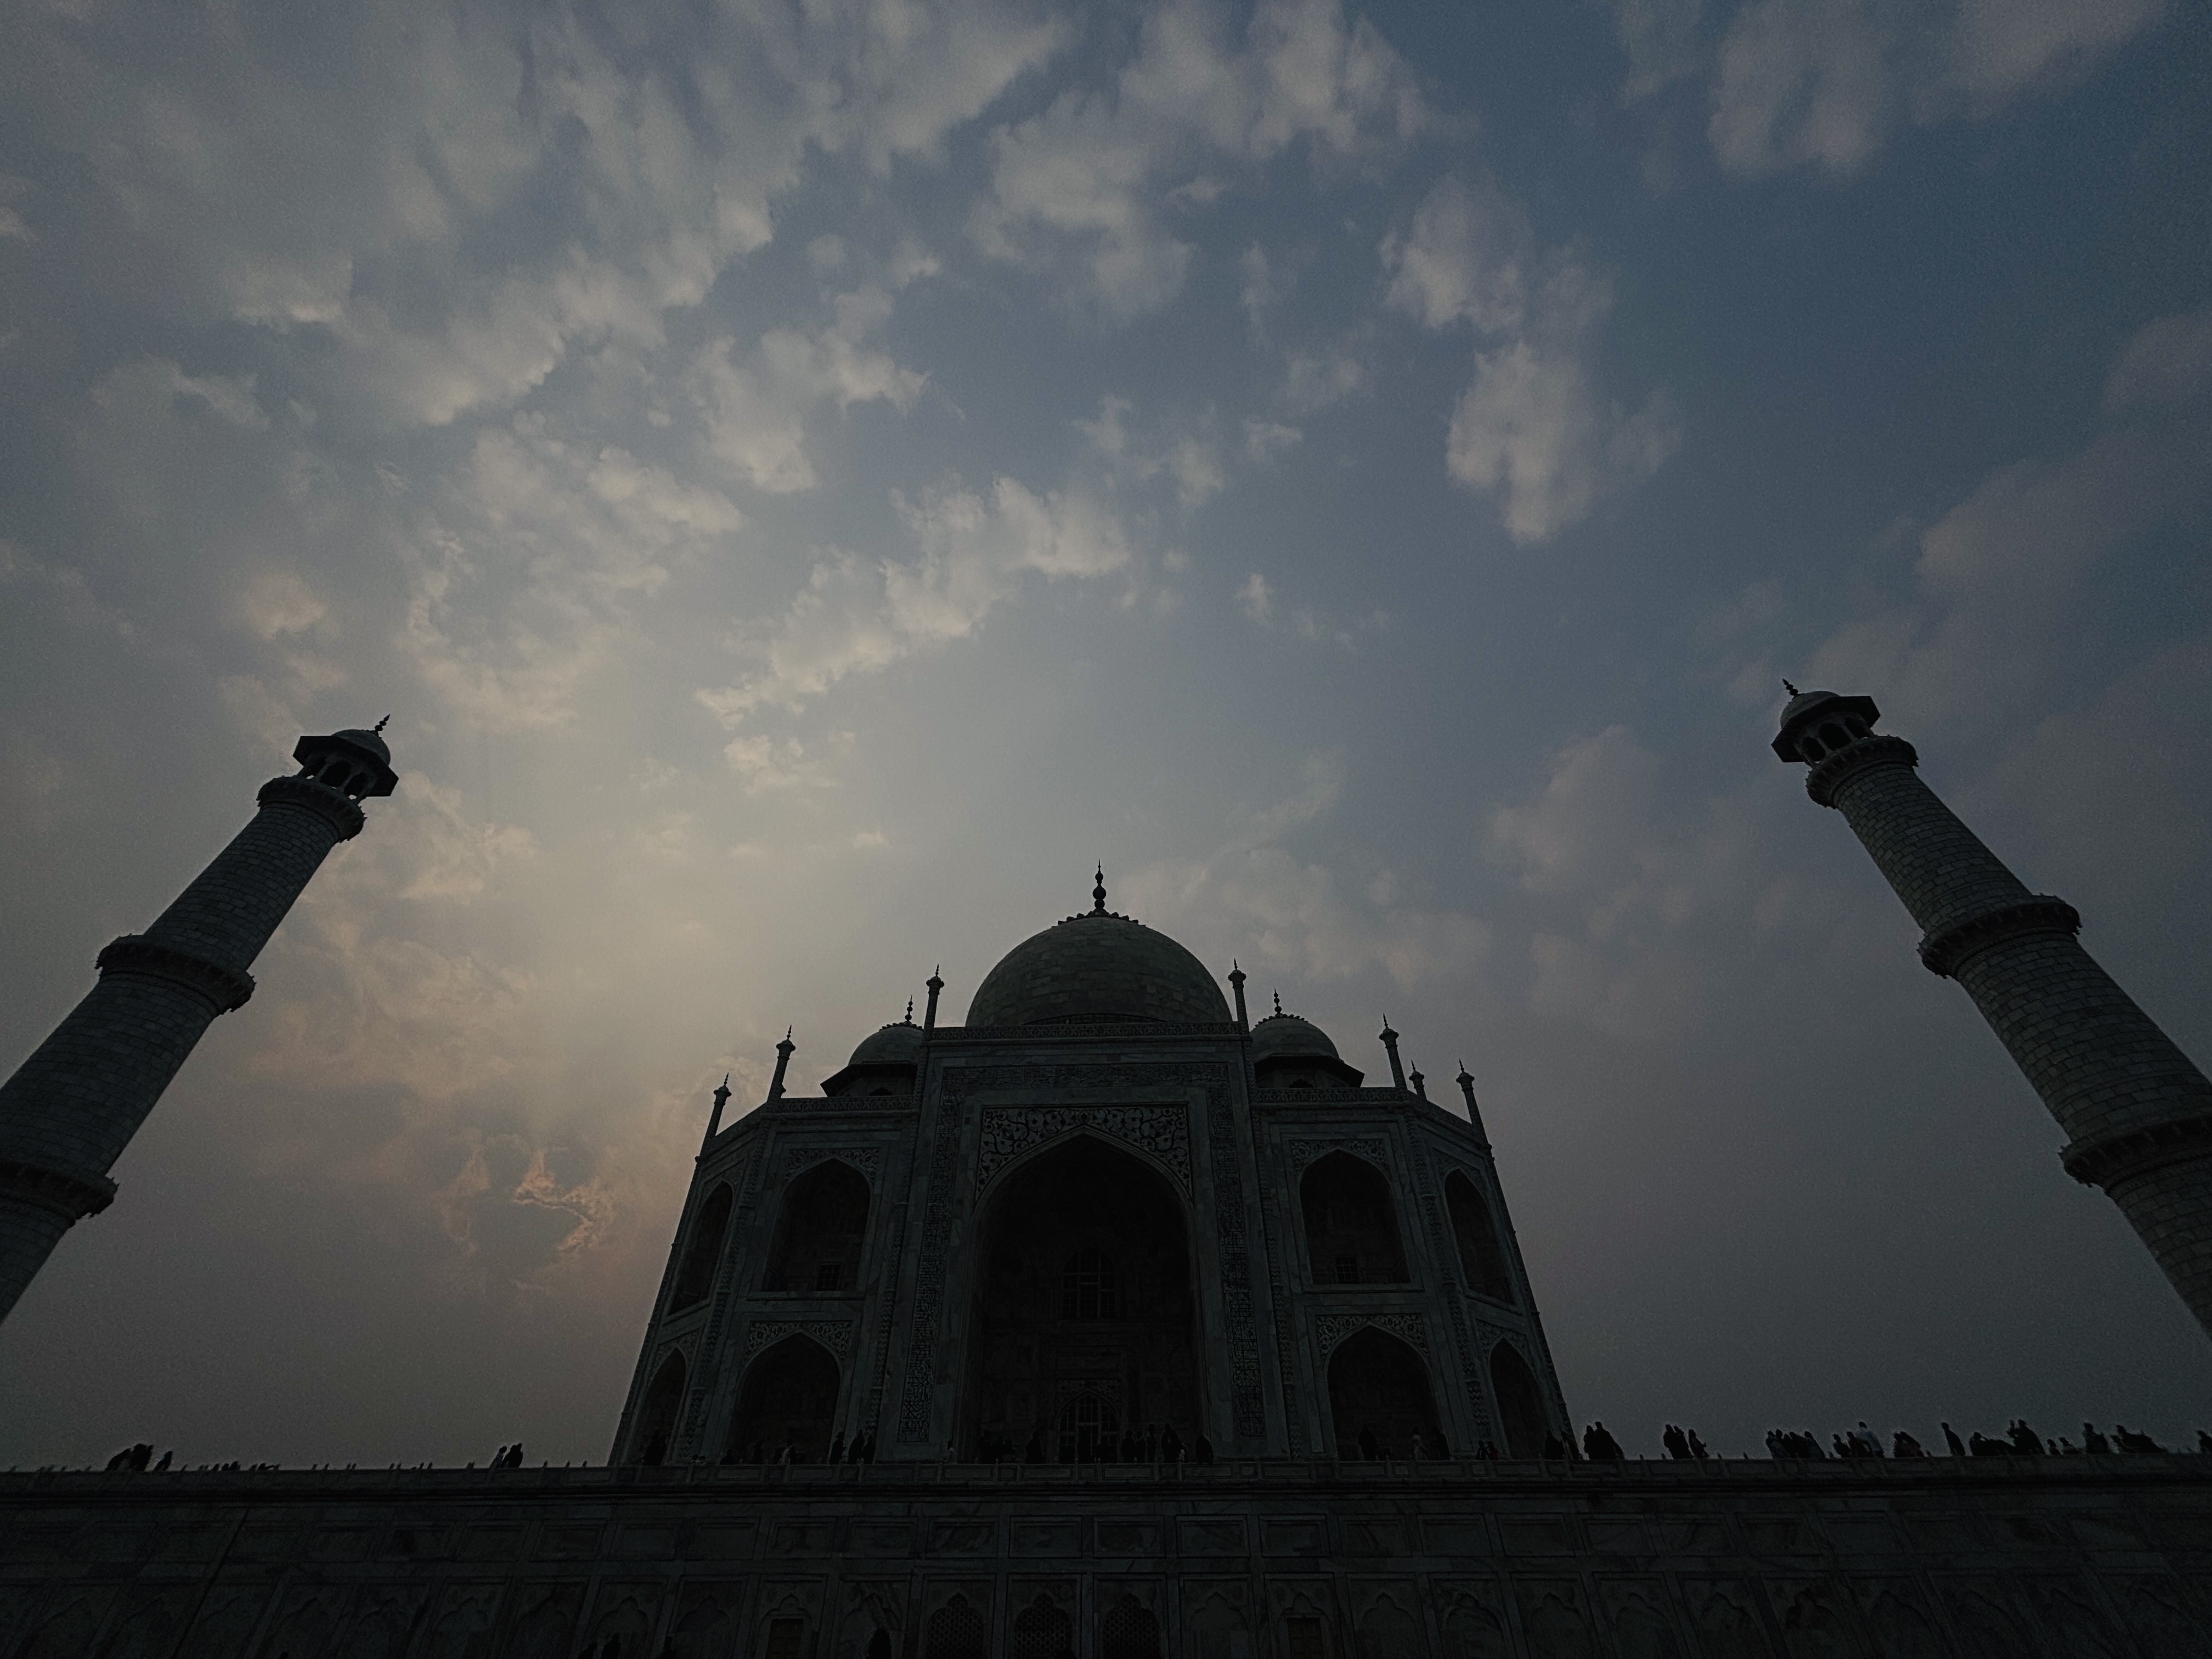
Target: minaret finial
[(1790, 688), (1098, 894)]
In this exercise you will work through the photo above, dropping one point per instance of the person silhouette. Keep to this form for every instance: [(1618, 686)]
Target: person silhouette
[(1951, 1439)]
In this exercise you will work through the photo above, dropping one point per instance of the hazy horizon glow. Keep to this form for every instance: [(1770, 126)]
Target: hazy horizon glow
[(807, 482)]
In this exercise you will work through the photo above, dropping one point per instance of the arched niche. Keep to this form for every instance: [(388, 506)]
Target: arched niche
[(820, 1231), (1378, 1387), (657, 1413), (788, 1398), (956, 1630), (1042, 1630), (1352, 1226), (1084, 1316), (1520, 1402), (696, 1276), (1481, 1257), (1129, 1630)]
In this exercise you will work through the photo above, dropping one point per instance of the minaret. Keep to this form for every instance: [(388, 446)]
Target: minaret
[(70, 1110), (2137, 1114), (1390, 1039)]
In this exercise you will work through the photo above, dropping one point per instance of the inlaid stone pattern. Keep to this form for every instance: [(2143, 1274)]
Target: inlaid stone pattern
[(835, 1335), (1162, 1131), (1332, 1328)]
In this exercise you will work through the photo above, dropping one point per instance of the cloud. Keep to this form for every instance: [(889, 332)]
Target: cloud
[(1257, 597), (1082, 190), (1661, 39), (347, 208), (856, 617), (1623, 873), (1535, 428), (2167, 364), (526, 569), (2001, 576), (1265, 440), (1823, 83), (1292, 914), (756, 410), (1186, 453)]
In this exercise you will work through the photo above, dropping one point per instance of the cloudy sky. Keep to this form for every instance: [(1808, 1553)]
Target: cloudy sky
[(806, 480)]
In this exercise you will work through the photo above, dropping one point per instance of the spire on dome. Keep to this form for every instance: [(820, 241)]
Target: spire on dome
[(1098, 894), (1278, 1002), (1790, 688)]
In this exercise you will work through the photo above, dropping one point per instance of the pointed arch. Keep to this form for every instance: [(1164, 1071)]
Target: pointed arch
[(819, 1233), (1520, 1402), (1474, 1229), (1084, 1314), (652, 1439), (1379, 1387), (956, 1630), (1352, 1225), (788, 1398), (709, 1228)]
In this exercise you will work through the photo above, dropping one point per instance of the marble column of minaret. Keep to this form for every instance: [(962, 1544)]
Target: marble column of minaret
[(70, 1109), (2137, 1114)]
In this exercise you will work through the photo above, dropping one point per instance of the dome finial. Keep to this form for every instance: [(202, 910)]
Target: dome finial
[(381, 724), (1278, 1002), (1098, 894), (909, 1011), (1790, 688)]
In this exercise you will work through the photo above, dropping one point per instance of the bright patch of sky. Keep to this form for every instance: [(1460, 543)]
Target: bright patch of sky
[(808, 481)]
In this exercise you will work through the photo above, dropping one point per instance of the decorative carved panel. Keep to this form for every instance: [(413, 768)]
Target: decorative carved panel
[(867, 1159), (1373, 1148), (1332, 1328), (835, 1335), (1009, 1131)]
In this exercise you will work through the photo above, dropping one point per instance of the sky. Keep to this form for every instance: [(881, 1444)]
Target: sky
[(806, 481)]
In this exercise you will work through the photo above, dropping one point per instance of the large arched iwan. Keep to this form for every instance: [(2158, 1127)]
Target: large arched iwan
[(1084, 1308), (1378, 1386), (1520, 1403), (656, 1414), (789, 1398), (1352, 1226), (708, 1228), (818, 1235), (1481, 1258)]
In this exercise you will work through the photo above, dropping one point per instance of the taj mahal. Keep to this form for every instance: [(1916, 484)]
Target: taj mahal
[(1114, 1322)]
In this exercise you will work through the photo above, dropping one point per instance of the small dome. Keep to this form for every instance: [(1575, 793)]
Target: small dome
[(1099, 966), (372, 741), (1286, 1037), (897, 1044), (1803, 701)]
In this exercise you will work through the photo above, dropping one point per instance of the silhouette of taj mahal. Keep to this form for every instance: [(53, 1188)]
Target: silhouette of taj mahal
[(1114, 1322)]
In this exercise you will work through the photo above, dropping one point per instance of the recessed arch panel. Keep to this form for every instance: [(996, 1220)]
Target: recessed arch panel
[(1380, 1397), (1083, 1328), (1352, 1225), (1520, 1402), (1474, 1229), (787, 1404), (820, 1231)]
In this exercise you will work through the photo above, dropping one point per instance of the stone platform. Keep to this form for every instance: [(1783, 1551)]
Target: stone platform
[(1285, 1558)]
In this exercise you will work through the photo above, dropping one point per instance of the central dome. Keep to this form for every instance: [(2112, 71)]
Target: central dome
[(1098, 967)]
